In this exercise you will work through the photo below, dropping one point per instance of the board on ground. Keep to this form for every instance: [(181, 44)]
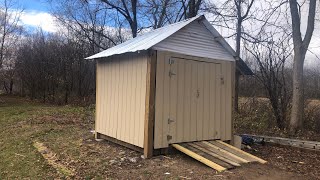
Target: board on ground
[(217, 154)]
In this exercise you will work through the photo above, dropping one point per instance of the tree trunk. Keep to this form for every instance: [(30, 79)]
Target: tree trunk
[(66, 95), (133, 21), (297, 110), (5, 87), (11, 86), (300, 49), (237, 76)]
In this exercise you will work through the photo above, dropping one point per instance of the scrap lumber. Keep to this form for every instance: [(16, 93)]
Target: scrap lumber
[(243, 152), (199, 158), (214, 155), (223, 152)]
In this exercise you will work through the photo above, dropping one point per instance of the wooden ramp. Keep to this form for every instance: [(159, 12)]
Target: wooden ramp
[(217, 154)]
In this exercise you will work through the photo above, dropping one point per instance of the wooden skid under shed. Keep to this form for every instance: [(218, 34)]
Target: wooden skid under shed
[(217, 154)]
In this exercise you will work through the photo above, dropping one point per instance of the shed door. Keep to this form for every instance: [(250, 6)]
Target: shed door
[(194, 100)]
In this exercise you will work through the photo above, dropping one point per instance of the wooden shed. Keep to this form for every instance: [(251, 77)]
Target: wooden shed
[(170, 85)]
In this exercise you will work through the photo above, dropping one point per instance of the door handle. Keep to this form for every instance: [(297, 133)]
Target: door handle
[(198, 93), (171, 73), (170, 120)]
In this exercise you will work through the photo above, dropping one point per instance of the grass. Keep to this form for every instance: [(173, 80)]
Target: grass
[(41, 141), (256, 117), (23, 122)]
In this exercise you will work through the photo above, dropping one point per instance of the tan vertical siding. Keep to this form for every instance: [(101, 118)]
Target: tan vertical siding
[(223, 104), (193, 107), (217, 103), (187, 102), (198, 99), (97, 114), (121, 88), (206, 104)]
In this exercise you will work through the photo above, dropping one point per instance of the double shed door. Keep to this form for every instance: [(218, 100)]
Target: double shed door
[(194, 100)]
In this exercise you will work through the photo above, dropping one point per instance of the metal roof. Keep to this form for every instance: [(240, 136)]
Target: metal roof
[(150, 39)]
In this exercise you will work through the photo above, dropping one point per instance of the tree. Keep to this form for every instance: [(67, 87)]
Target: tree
[(9, 27), (239, 12), (137, 12), (159, 15), (51, 67), (240, 18), (300, 50), (249, 20), (190, 8), (128, 9), (271, 58), (89, 23)]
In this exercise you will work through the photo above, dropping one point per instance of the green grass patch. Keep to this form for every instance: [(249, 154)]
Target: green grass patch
[(22, 122)]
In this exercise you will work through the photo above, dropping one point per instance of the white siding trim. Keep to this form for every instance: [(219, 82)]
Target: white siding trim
[(195, 40)]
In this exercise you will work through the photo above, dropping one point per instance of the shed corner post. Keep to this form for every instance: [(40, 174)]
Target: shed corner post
[(150, 104)]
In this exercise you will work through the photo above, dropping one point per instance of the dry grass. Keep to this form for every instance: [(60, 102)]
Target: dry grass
[(256, 117)]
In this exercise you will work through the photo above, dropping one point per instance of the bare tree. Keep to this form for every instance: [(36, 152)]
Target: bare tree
[(128, 9), (190, 8), (300, 50), (159, 11), (271, 58), (240, 19), (136, 13), (9, 27), (239, 13), (258, 16)]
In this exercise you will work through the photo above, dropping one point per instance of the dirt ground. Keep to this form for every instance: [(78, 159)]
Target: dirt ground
[(65, 132), (180, 166)]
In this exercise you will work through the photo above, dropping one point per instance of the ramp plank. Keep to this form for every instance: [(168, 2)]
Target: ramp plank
[(207, 156), (223, 153), (242, 152), (199, 158), (217, 154), (214, 155), (233, 151)]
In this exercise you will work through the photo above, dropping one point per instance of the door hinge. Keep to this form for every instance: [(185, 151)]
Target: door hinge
[(169, 137), (171, 61), (170, 120)]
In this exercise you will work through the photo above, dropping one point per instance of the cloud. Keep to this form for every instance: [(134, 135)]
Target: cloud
[(39, 19)]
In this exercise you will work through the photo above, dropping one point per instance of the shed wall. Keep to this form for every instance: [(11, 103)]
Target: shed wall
[(195, 40), (194, 119), (121, 97)]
